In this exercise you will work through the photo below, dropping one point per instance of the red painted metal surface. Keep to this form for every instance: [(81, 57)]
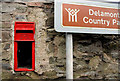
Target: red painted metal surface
[(24, 35)]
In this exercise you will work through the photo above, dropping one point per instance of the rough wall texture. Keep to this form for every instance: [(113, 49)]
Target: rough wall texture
[(95, 56)]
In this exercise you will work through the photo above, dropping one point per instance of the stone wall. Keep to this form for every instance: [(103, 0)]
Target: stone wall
[(95, 56)]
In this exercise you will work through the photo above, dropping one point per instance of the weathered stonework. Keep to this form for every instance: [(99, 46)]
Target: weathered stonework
[(95, 56)]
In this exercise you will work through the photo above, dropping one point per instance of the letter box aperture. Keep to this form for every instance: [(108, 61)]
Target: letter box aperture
[(24, 46)]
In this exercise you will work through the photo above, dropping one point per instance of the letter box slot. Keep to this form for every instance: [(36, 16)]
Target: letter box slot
[(24, 46), (24, 31)]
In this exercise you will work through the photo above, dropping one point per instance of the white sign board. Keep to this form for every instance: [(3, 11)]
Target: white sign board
[(86, 16)]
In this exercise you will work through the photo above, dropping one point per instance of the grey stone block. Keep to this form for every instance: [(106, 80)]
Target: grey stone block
[(21, 8), (5, 24), (7, 46), (0, 24), (6, 36), (7, 0), (22, 0), (27, 0), (6, 17), (8, 7), (33, 0), (0, 17)]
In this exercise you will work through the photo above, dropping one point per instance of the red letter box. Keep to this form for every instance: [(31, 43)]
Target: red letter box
[(24, 46)]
